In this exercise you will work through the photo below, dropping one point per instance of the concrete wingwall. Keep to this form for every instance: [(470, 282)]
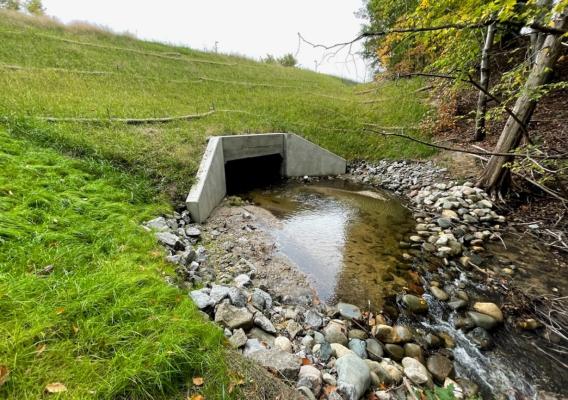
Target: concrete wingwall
[(300, 157)]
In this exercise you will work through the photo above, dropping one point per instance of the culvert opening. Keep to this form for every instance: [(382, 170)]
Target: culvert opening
[(245, 174)]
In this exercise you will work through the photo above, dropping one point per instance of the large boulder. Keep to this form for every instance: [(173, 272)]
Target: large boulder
[(353, 376), (336, 332), (282, 363)]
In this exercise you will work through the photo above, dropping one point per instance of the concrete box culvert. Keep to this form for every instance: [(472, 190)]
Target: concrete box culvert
[(299, 157)]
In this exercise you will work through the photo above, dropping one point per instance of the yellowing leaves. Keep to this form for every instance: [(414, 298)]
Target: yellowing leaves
[(4, 374), (197, 381), (56, 387), (196, 397)]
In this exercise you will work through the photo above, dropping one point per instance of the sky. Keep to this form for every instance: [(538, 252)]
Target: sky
[(253, 28)]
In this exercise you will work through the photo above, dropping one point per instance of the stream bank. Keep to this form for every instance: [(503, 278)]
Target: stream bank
[(275, 313)]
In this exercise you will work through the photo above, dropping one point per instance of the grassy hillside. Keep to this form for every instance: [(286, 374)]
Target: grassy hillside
[(48, 70), (104, 323)]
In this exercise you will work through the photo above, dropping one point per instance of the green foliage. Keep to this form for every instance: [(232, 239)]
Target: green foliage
[(13, 5), (34, 7), (104, 322), (439, 393), (288, 60)]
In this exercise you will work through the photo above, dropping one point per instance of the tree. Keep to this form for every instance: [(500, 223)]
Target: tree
[(10, 5), (496, 175), (484, 83), (34, 7)]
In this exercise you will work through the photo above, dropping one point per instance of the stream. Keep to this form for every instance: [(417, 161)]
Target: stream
[(346, 239)]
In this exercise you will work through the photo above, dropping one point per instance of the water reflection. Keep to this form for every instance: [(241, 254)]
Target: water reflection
[(344, 237)]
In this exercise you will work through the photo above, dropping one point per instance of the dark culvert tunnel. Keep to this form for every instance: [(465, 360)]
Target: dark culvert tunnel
[(245, 174)]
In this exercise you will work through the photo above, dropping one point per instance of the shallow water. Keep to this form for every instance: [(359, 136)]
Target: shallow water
[(344, 237)]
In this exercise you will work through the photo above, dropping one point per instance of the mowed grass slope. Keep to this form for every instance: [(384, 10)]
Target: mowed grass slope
[(49, 70)]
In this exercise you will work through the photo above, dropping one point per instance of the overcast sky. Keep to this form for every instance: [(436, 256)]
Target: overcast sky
[(250, 27)]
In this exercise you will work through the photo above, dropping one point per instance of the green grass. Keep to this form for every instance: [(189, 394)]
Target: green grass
[(145, 79), (104, 323)]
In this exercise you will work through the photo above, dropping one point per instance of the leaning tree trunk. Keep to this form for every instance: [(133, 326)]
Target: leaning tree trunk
[(496, 175), (484, 83), (536, 37)]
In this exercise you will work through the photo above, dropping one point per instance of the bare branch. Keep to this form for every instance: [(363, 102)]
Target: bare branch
[(483, 153), (129, 121)]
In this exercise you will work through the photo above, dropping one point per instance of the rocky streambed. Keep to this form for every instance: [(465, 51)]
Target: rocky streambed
[(401, 304)]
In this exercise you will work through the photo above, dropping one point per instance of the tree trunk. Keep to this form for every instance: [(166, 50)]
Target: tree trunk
[(484, 83), (496, 176), (536, 37)]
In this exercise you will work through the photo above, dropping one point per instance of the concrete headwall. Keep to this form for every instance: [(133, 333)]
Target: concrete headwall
[(300, 157)]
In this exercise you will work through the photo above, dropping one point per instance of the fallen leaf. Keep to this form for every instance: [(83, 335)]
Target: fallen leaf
[(329, 389), (75, 329), (55, 387), (40, 348), (196, 397), (197, 381), (306, 361), (60, 310), (4, 373)]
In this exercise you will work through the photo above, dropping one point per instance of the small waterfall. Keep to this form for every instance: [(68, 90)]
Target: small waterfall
[(494, 374)]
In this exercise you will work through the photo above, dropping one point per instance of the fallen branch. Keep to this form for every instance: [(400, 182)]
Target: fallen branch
[(129, 121), (457, 149)]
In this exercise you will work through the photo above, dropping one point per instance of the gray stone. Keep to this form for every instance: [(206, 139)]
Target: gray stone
[(242, 281), (319, 337), (394, 351), (253, 345), (415, 304), (349, 311), (325, 351), (414, 351), (308, 343), (374, 349), (237, 297), (283, 343), (306, 393), (313, 319), (233, 317), (329, 379), (353, 376), (440, 367), (439, 293), (415, 371), (201, 298), (264, 323), (169, 239), (457, 304), (310, 377), (281, 362), (358, 347), (218, 293), (192, 231), (158, 224), (490, 309), (238, 339), (263, 336), (335, 332), (357, 334), (402, 334), (444, 222), (482, 320), (481, 338), (293, 328), (261, 300)]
